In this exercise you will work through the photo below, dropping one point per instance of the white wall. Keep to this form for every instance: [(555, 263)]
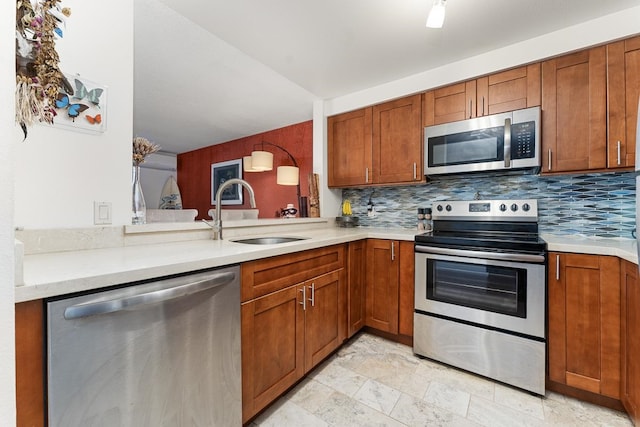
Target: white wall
[(8, 138), (60, 173), (597, 31)]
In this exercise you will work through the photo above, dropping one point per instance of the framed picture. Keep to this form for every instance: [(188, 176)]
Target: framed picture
[(84, 108), (221, 172)]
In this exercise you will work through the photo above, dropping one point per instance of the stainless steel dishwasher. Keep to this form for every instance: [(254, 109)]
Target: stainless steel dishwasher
[(162, 353)]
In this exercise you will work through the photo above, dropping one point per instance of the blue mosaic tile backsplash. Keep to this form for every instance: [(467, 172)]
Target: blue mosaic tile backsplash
[(591, 205)]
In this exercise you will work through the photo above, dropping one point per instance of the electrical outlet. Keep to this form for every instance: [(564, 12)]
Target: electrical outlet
[(101, 213)]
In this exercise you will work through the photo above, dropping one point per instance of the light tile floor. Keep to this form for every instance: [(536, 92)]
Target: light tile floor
[(375, 382)]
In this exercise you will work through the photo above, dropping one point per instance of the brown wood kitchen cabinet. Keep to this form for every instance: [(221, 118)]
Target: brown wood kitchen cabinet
[(357, 261), (623, 90), (590, 105), (381, 144), (574, 111), (383, 266), (390, 284), (630, 340), (584, 322), (30, 363), (294, 314), (508, 90), (349, 148)]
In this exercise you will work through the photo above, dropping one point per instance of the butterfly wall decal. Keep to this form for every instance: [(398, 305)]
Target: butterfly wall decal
[(95, 120), (73, 110), (92, 95)]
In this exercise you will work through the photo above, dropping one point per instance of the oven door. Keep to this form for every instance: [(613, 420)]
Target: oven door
[(470, 287)]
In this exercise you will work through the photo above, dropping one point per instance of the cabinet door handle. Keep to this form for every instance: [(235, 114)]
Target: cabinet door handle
[(618, 152), (415, 171), (393, 251), (470, 107), (313, 294), (483, 105), (549, 159), (303, 303), (557, 267), (366, 175)]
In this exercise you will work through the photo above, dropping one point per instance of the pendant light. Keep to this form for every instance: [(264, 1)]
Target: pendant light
[(436, 15)]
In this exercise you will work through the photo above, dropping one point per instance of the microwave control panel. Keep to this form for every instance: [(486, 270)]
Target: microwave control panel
[(523, 140)]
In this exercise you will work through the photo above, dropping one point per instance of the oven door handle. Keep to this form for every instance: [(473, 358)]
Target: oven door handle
[(503, 256)]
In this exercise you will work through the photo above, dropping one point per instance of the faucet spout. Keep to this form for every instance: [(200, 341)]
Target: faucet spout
[(217, 225)]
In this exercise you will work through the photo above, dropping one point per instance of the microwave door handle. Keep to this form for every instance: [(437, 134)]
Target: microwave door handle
[(507, 143)]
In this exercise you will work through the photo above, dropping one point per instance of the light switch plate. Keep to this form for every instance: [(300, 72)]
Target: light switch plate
[(101, 213)]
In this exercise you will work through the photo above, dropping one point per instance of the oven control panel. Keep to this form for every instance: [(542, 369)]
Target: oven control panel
[(486, 210)]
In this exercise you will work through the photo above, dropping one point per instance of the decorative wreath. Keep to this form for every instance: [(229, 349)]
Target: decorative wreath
[(38, 24)]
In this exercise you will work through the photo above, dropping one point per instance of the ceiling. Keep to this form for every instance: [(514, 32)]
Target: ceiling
[(212, 71)]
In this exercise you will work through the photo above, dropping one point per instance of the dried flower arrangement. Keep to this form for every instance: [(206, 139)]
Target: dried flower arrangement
[(142, 147), (37, 73)]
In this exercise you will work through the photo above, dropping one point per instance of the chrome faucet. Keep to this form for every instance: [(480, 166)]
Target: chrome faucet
[(217, 224)]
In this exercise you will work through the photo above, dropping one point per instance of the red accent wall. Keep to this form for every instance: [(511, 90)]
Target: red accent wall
[(194, 170)]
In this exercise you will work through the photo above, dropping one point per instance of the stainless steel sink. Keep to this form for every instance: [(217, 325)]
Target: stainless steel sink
[(268, 240)]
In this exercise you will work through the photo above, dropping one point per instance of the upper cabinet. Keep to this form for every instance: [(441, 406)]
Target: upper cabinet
[(574, 116), (349, 148), (509, 90), (623, 90), (376, 145), (589, 107)]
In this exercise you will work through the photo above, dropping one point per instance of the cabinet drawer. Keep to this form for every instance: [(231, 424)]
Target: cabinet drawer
[(268, 275)]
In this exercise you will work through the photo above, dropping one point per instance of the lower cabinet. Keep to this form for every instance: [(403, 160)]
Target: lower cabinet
[(30, 362), (584, 322), (383, 266), (630, 340), (390, 286), (287, 332), (357, 262)]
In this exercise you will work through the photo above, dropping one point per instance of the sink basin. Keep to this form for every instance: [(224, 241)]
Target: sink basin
[(268, 240)]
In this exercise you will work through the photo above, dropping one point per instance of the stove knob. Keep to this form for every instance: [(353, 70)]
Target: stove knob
[(503, 207), (439, 208), (514, 207), (448, 208), (526, 207)]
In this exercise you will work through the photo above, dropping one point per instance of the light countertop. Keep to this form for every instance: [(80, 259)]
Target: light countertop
[(60, 273), (622, 248)]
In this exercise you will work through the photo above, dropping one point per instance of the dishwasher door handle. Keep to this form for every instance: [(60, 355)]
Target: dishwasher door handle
[(182, 289)]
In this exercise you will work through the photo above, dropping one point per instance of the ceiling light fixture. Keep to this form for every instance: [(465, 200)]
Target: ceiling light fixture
[(436, 16)]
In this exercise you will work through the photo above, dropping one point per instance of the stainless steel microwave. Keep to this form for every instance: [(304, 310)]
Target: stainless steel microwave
[(503, 141)]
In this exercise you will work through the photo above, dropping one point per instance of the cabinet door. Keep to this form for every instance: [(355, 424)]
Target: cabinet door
[(449, 104), (272, 347), (325, 317), (349, 148), (397, 141), (623, 80), (630, 341), (574, 121), (509, 90), (382, 285), (584, 322), (356, 285), (406, 286), (30, 362)]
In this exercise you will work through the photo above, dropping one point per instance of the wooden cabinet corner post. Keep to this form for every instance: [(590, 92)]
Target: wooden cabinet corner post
[(630, 340), (30, 364)]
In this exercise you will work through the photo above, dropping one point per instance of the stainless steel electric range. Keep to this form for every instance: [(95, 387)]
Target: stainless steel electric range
[(480, 296)]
